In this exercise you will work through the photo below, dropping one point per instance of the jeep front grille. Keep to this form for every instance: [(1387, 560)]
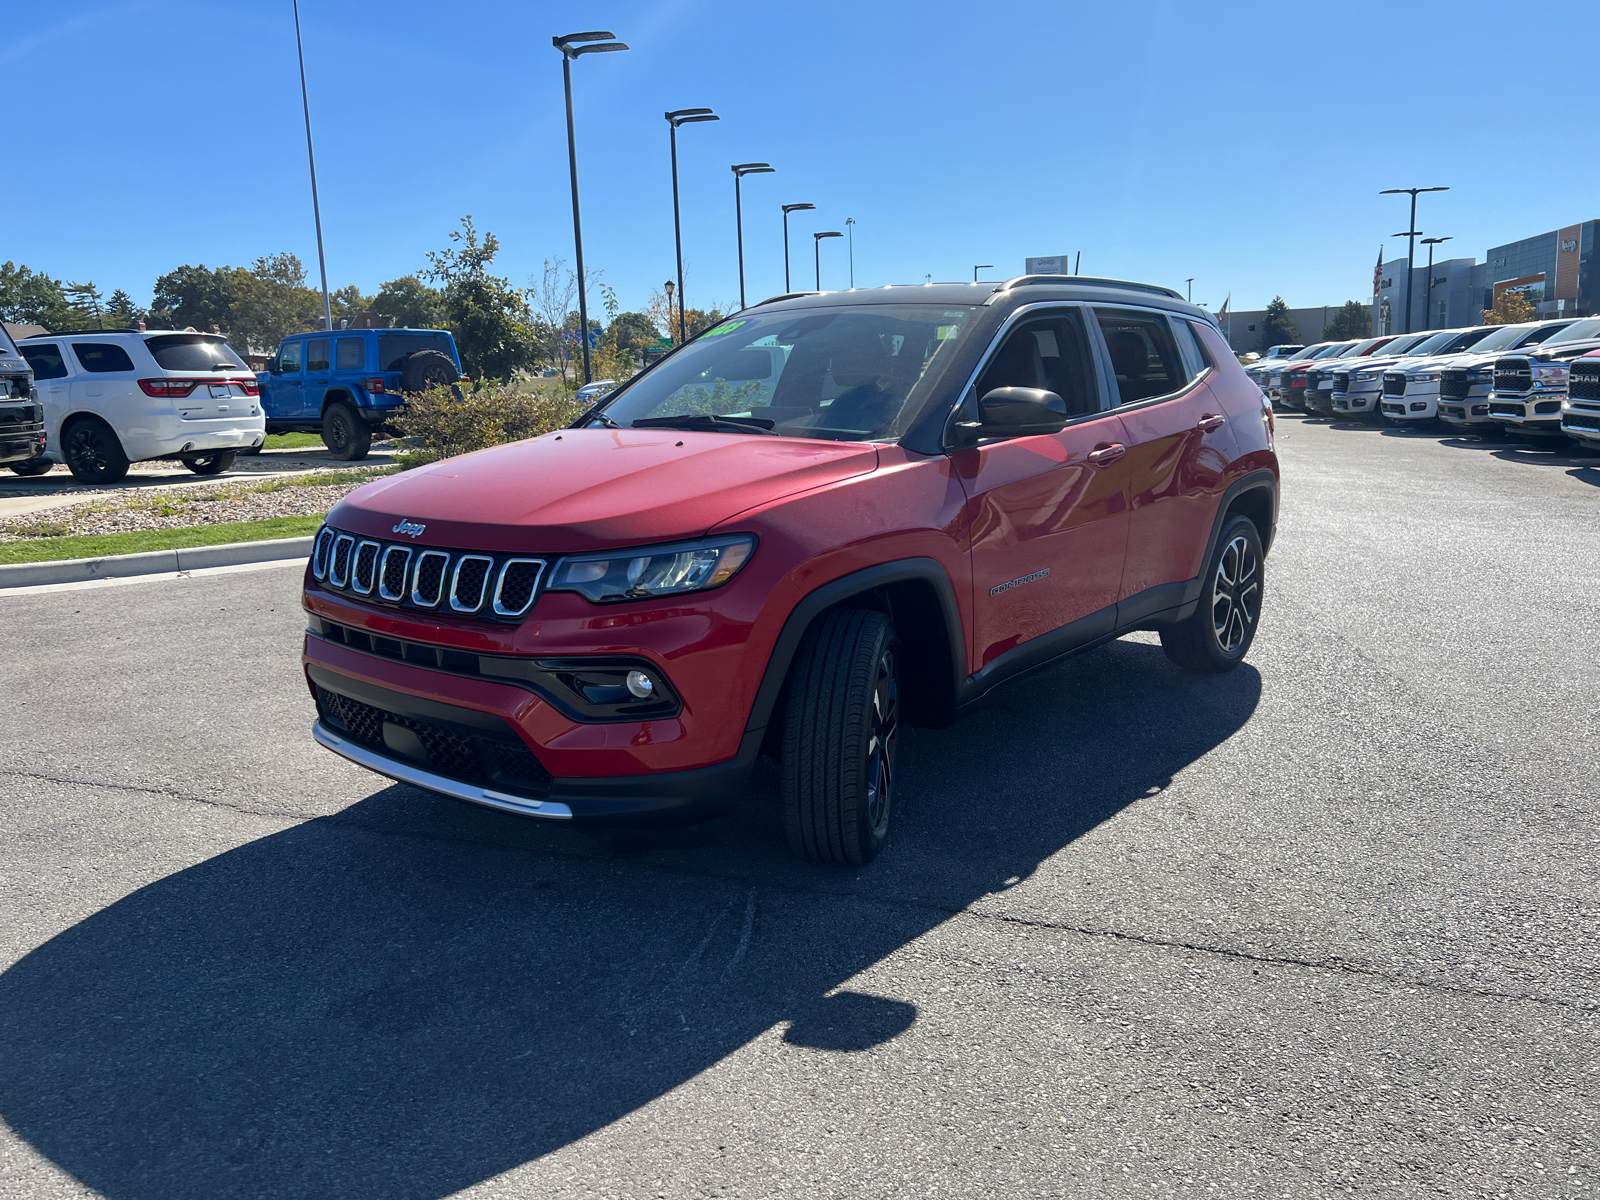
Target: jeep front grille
[(1394, 383), (1584, 382), (1455, 384), (1513, 376), (464, 583)]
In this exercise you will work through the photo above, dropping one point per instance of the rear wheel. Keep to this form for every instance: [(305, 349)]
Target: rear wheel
[(37, 466), (840, 738), (1219, 634), (93, 453), (344, 433), (214, 463)]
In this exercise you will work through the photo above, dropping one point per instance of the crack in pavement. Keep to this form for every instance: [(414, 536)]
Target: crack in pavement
[(1334, 966)]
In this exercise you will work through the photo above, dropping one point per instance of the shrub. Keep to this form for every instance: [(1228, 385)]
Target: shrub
[(439, 425)]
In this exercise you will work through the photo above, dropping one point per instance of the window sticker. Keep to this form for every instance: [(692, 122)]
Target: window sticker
[(726, 327), (946, 332), (1047, 343)]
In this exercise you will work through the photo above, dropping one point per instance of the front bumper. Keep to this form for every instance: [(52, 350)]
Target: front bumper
[(1581, 420), (22, 434), (1462, 412), (1363, 401), (1536, 410)]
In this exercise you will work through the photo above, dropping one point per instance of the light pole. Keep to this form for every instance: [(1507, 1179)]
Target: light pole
[(316, 208), (1410, 236), (816, 245), (740, 170), (682, 116), (1430, 243), (980, 267), (787, 209), (850, 228), (572, 45), (1190, 282)]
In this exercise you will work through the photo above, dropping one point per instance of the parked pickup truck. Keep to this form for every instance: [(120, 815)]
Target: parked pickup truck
[(1528, 387), (22, 434), (1580, 411), (343, 383)]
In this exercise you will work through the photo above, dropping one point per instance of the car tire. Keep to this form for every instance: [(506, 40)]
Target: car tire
[(426, 369), (1220, 632), (840, 738), (344, 433), (92, 452), (36, 466), (214, 463)]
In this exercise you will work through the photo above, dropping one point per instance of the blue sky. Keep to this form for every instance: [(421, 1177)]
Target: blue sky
[(1242, 144)]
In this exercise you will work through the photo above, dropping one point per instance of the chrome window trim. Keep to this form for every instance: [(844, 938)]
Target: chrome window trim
[(333, 560), (322, 552), (500, 582), (355, 560), (455, 581), (383, 570), (416, 576)]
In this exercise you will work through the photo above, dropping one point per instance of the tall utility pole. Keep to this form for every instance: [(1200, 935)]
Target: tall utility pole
[(1190, 282), (682, 116), (1411, 237), (598, 42), (787, 209), (740, 170), (1430, 243), (316, 208), (850, 228)]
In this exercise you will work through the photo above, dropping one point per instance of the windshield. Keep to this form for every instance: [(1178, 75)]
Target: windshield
[(1500, 339), (1401, 345), (1428, 345), (1321, 351), (7, 346), (847, 374), (1579, 331), (194, 352)]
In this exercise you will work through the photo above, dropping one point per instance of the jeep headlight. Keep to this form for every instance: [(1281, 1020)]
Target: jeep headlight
[(652, 571)]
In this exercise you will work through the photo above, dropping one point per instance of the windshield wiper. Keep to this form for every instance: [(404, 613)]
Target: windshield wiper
[(710, 422), (600, 416)]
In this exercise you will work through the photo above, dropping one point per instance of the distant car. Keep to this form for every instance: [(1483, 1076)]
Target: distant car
[(1529, 386), (342, 383), (1286, 382), (1580, 411), (1461, 390), (118, 396), (1317, 395), (1354, 389), (593, 391), (22, 436)]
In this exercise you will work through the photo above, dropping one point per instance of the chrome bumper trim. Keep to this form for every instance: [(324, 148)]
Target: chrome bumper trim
[(417, 777)]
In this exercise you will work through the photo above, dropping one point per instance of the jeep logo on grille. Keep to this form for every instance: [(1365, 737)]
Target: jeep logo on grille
[(412, 529)]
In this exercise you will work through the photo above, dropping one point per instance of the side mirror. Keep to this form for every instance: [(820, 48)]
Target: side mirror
[(1020, 412)]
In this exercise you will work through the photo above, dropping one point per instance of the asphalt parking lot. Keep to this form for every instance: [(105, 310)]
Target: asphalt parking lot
[(1327, 925)]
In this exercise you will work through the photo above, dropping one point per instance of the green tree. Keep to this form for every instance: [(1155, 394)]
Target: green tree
[(85, 297), (122, 310), (193, 296), (632, 331), (33, 298), (409, 303), (1278, 327), (1354, 320), (490, 319)]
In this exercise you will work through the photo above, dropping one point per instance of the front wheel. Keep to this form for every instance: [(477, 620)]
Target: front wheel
[(1218, 635), (214, 463), (344, 433), (840, 738)]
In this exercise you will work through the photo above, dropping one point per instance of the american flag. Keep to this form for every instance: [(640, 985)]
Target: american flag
[(1377, 275)]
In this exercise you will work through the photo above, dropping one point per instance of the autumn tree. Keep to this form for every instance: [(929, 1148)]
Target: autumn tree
[(1511, 307)]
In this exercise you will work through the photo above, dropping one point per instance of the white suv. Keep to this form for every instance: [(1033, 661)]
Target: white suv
[(114, 397)]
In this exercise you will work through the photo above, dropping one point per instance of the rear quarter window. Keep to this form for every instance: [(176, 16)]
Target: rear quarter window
[(350, 354), (102, 357), (191, 352), (394, 347)]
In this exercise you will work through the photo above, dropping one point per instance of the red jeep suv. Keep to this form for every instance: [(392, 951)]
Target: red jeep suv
[(830, 515)]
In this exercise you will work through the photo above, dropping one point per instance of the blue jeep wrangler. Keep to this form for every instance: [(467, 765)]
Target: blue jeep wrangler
[(343, 382)]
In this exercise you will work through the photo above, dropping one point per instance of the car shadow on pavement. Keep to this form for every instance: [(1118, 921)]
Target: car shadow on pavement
[(412, 996)]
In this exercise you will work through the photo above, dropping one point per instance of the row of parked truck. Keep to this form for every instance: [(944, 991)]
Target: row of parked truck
[(1541, 379)]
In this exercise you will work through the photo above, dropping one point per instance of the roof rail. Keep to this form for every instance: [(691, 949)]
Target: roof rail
[(784, 296), (75, 333), (1088, 281)]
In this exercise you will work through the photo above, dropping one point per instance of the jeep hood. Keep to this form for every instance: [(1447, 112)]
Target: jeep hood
[(595, 489)]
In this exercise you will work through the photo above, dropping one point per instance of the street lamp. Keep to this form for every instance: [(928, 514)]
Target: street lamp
[(1190, 282), (740, 170), (1410, 235), (787, 209), (682, 116), (1430, 243), (316, 208), (980, 267), (850, 228), (816, 245), (571, 45)]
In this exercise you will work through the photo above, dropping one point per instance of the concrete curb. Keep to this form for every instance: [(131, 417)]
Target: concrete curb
[(155, 562)]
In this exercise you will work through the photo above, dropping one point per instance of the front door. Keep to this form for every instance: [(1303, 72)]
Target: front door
[(1178, 444), (1048, 523), (284, 391)]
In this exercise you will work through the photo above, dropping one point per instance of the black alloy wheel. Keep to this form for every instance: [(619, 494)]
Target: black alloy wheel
[(214, 463), (344, 433), (93, 453), (1220, 632), (841, 738)]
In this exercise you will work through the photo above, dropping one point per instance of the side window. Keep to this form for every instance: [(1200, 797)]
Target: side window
[(1143, 353), (350, 354), (46, 361), (1050, 352), (1192, 347), (317, 354), (101, 357), (290, 357)]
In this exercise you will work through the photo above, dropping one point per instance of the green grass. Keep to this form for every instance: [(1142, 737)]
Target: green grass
[(292, 441), (50, 549)]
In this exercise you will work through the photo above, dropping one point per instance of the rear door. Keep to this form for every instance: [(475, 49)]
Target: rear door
[(1048, 525), (104, 375), (1178, 445), (318, 374), (50, 372)]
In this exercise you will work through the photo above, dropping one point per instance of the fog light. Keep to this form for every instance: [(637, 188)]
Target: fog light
[(1418, 405), (640, 685)]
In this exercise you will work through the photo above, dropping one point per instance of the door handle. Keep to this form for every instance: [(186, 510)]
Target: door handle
[(1107, 453), (1211, 421)]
